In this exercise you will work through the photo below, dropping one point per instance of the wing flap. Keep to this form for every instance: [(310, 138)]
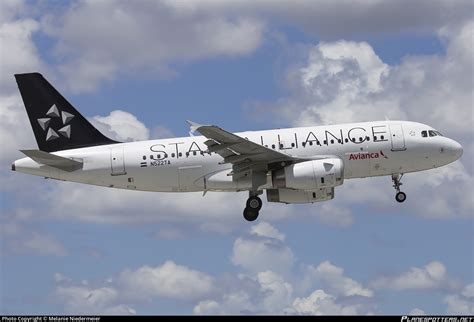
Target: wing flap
[(52, 160)]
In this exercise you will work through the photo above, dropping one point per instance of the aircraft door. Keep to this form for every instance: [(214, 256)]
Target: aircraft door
[(117, 161), (396, 134)]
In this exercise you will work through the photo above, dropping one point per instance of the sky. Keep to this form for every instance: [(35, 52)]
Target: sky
[(138, 69)]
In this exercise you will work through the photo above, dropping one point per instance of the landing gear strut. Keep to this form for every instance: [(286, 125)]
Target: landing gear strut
[(400, 196), (253, 206)]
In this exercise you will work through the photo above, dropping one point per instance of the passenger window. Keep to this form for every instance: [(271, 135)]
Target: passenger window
[(292, 145), (310, 142), (353, 140), (172, 155), (381, 137), (194, 152), (347, 140), (367, 138), (424, 134), (144, 157), (325, 142), (360, 139), (304, 144), (273, 146), (281, 146), (187, 154), (332, 141), (375, 138), (339, 141)]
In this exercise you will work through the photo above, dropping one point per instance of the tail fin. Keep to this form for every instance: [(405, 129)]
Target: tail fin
[(57, 125)]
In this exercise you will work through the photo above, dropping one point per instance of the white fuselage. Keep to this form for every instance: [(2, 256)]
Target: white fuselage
[(182, 165)]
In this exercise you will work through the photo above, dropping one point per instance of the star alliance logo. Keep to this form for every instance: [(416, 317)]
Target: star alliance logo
[(51, 134)]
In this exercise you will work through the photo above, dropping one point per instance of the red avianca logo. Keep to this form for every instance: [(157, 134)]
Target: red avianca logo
[(367, 155)]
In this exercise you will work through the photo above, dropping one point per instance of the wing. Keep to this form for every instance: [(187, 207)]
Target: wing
[(244, 155)]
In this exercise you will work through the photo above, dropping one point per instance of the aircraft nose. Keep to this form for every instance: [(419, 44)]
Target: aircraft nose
[(454, 148)]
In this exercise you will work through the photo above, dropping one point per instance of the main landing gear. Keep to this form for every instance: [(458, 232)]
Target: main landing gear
[(252, 208), (400, 196)]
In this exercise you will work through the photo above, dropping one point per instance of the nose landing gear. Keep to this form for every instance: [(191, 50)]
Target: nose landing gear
[(253, 206), (399, 196)]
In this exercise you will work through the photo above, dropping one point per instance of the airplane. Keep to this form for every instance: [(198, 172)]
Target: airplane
[(293, 165)]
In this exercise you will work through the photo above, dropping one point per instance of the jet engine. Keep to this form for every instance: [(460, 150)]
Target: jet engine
[(310, 175)]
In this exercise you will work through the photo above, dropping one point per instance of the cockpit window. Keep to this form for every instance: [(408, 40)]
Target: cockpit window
[(437, 132), (424, 134), (432, 133)]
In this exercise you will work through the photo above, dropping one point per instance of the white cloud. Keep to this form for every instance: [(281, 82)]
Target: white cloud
[(278, 292), (168, 280), (143, 284), (142, 38), (431, 276), (264, 229), (121, 126), (18, 51), (358, 17), (416, 311), (263, 252), (333, 279), (321, 303), (262, 290), (87, 300), (461, 304)]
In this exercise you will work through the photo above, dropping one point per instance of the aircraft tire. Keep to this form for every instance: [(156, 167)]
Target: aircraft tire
[(400, 196), (250, 214), (254, 203)]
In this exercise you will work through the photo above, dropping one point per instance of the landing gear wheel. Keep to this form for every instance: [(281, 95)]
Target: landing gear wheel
[(254, 203), (250, 214), (400, 196)]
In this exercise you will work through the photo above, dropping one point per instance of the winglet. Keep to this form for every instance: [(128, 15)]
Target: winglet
[(193, 126)]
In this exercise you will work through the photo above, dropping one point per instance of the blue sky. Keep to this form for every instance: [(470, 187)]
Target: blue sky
[(244, 65)]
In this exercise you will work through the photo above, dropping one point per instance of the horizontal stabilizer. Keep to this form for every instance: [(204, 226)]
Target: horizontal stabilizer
[(54, 161)]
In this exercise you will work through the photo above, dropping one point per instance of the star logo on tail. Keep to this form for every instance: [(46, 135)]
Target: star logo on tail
[(64, 131)]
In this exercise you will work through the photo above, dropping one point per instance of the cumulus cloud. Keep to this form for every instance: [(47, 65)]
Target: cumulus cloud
[(461, 304), (121, 126), (431, 277), (83, 299), (263, 251), (143, 38), (109, 296), (416, 311), (321, 303), (263, 290), (358, 17), (264, 229), (168, 280), (18, 52), (332, 278)]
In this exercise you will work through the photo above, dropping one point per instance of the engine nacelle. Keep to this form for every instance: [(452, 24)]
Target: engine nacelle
[(310, 175), (298, 196)]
